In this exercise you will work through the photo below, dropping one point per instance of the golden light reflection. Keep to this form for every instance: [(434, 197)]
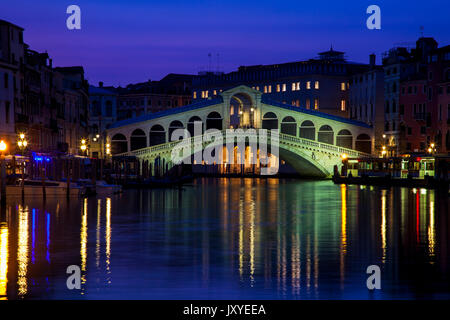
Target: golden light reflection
[(431, 231), (97, 242), (343, 250), (83, 241), (241, 239), (22, 252), (4, 234), (383, 225), (252, 243), (108, 238)]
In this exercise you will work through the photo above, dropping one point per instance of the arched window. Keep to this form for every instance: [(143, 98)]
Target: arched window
[(307, 130), (214, 121), (289, 126), (157, 135), (174, 125), (119, 144), (363, 143), (270, 121), (109, 109), (138, 139), (191, 125), (344, 139), (326, 134)]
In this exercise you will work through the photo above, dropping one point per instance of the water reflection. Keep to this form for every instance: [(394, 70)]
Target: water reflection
[(229, 238)]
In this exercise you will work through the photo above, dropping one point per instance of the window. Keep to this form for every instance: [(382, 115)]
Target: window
[(342, 105), (308, 104), (215, 92), (265, 89), (278, 88), (342, 86), (316, 85), (308, 85), (316, 104), (284, 87), (295, 86), (195, 95), (7, 111)]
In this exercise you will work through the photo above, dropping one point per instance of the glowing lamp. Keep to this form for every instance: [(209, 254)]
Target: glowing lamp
[(3, 146)]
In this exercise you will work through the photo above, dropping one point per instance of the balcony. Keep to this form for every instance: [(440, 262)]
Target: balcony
[(420, 116)]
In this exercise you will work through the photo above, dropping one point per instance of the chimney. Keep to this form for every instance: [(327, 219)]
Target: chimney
[(372, 60), (100, 84)]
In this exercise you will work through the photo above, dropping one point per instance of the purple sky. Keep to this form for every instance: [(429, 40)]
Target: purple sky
[(136, 40)]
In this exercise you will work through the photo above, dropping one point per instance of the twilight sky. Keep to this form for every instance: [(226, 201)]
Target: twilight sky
[(123, 41)]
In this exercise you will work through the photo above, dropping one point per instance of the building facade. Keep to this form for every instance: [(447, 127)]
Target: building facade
[(135, 100), (11, 79), (366, 101), (316, 84)]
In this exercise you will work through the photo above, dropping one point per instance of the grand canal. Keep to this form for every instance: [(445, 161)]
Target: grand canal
[(230, 239)]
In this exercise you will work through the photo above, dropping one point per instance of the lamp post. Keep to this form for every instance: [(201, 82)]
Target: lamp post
[(3, 148), (83, 147), (22, 143)]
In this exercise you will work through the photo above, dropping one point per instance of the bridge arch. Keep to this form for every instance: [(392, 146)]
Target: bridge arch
[(344, 139), (269, 121), (307, 130), (363, 143), (214, 121), (174, 125), (325, 134), (242, 110), (157, 135), (191, 125), (289, 126), (138, 139), (119, 144)]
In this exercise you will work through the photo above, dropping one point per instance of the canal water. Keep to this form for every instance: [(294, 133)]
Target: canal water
[(230, 238)]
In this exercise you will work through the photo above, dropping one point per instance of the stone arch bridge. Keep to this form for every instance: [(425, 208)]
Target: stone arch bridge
[(312, 142)]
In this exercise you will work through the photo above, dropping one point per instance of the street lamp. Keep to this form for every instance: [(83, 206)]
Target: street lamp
[(108, 149), (3, 146), (22, 143), (83, 146)]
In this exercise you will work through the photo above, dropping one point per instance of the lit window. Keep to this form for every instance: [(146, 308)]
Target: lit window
[(206, 94), (265, 89), (215, 92), (270, 89), (342, 105), (308, 104), (278, 88), (203, 94), (284, 87), (342, 86), (308, 85), (257, 88), (298, 86), (293, 86), (316, 104), (316, 85), (297, 103), (195, 94)]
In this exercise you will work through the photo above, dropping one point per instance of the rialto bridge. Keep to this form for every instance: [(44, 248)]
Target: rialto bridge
[(310, 141)]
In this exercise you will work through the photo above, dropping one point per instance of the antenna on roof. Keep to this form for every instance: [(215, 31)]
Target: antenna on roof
[(218, 64), (209, 62)]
